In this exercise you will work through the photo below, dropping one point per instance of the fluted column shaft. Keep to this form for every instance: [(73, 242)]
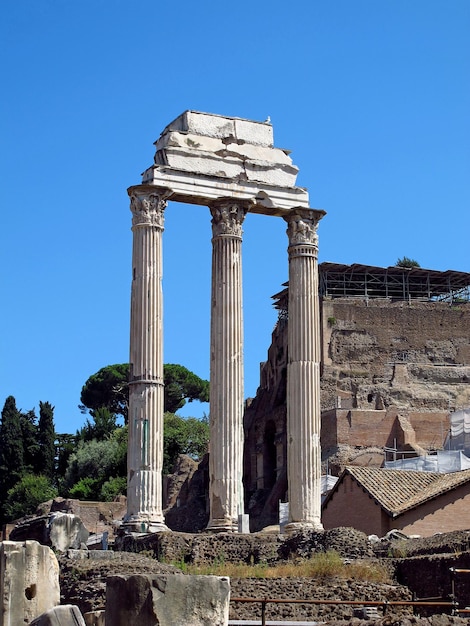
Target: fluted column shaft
[(303, 372), (226, 367), (145, 447)]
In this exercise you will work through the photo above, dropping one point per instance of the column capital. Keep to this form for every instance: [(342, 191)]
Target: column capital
[(148, 204), (228, 215), (302, 226)]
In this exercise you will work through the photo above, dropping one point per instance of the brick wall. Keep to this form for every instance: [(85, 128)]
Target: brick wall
[(451, 511), (350, 506), (379, 353)]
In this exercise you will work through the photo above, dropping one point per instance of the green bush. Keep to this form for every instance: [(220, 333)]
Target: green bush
[(112, 488), (24, 497), (93, 459), (86, 489), (183, 436)]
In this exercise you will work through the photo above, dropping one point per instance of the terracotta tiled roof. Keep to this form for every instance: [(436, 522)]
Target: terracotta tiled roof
[(397, 491)]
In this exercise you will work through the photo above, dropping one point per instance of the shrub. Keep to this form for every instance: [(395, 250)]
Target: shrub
[(86, 489), (24, 497), (112, 488)]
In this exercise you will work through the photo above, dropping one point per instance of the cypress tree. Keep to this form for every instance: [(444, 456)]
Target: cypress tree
[(11, 446), (29, 437), (46, 438)]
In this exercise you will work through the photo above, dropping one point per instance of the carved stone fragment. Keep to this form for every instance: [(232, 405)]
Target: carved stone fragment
[(167, 600), (29, 581)]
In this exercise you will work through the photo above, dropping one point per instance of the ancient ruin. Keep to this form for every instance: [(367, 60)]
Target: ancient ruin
[(230, 165), (395, 361), (29, 581)]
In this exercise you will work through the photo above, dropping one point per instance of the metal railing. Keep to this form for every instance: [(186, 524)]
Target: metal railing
[(385, 604)]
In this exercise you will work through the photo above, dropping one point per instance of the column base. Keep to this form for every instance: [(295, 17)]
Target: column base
[(222, 526), (138, 526), (295, 527)]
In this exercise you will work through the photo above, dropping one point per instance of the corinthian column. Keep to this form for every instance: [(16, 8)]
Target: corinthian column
[(145, 447), (303, 372), (226, 367)]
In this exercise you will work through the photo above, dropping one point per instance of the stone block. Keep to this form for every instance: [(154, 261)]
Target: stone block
[(174, 600), (59, 530), (65, 615), (200, 163), (78, 555), (97, 541), (97, 555), (66, 531), (264, 172), (29, 581), (257, 133), (95, 618), (244, 524)]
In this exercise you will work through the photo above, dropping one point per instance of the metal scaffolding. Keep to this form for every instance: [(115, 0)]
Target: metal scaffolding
[(393, 283)]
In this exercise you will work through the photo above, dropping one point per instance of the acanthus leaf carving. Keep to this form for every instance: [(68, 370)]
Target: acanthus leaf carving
[(227, 217), (148, 208), (302, 227)]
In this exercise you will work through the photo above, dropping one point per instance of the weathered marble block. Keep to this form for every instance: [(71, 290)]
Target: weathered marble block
[(174, 600), (61, 531), (29, 581), (65, 615), (212, 125)]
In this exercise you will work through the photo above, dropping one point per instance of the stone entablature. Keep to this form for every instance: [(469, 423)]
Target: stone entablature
[(201, 156)]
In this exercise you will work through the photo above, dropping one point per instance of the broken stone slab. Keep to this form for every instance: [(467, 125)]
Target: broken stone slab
[(229, 166), (29, 581), (211, 145), (219, 126), (97, 541), (58, 530), (223, 148), (175, 600), (66, 531), (65, 615)]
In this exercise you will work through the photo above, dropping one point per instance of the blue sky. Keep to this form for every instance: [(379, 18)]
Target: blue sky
[(371, 96)]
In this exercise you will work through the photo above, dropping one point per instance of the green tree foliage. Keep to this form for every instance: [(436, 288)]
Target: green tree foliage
[(183, 436), (24, 497), (11, 446), (180, 385), (45, 463), (66, 444), (112, 488), (407, 262), (108, 388), (86, 489), (29, 434), (102, 427), (93, 463)]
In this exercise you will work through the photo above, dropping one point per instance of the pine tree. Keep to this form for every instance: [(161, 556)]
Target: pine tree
[(45, 463)]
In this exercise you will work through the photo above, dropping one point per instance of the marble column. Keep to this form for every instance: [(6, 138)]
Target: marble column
[(303, 373), (226, 367), (145, 447)]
